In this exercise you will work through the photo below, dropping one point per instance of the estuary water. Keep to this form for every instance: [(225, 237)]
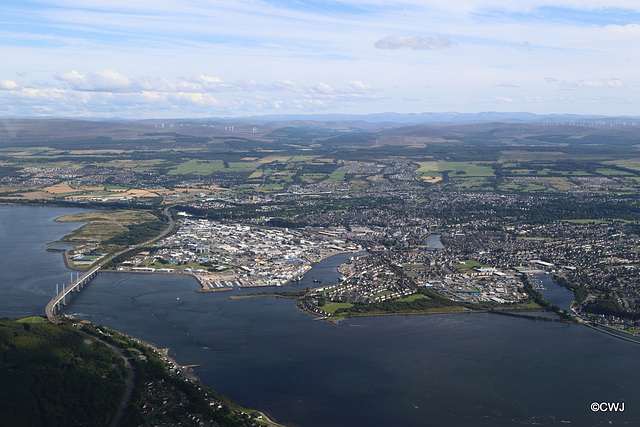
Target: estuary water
[(554, 293), (421, 370), (29, 273)]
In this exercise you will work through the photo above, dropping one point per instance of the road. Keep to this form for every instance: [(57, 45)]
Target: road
[(128, 393)]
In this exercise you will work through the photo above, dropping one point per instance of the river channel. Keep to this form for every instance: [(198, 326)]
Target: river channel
[(262, 352)]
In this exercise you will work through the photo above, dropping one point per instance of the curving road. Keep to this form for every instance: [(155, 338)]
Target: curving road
[(128, 393)]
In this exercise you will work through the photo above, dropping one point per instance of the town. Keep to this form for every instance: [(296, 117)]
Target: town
[(483, 261), (462, 212), (224, 256)]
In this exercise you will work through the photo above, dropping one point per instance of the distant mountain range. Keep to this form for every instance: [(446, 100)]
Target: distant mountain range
[(391, 128), (451, 117), (377, 119)]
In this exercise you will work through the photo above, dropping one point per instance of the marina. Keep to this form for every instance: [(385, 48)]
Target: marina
[(537, 284)]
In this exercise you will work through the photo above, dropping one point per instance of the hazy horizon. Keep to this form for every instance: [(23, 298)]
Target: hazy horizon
[(448, 117)]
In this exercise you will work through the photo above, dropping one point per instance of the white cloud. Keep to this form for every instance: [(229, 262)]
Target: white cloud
[(323, 88), (153, 84), (611, 83), (358, 87), (196, 88), (110, 81), (207, 83), (414, 42), (106, 93), (42, 94), (8, 84), (98, 81), (202, 99), (285, 86)]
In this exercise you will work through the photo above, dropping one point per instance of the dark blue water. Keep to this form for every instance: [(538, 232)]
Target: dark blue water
[(29, 272), (439, 370), (554, 293)]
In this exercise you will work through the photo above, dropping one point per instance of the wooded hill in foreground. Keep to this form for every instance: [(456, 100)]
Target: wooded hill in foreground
[(62, 375)]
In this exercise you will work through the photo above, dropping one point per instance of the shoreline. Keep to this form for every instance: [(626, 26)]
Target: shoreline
[(187, 372), (600, 329), (204, 286), (68, 264), (206, 289), (434, 312)]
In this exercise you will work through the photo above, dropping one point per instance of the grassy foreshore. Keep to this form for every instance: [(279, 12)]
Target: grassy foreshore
[(515, 311)]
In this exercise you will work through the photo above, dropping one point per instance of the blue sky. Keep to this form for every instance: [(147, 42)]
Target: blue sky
[(204, 58)]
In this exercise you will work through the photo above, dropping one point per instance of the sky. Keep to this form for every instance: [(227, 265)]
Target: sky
[(235, 58)]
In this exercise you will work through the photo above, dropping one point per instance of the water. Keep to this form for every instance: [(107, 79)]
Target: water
[(29, 272), (441, 370), (401, 370), (554, 293), (433, 241)]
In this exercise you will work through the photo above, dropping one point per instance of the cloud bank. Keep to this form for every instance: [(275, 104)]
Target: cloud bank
[(100, 93)]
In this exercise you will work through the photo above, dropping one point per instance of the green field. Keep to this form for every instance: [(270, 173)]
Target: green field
[(523, 187), (412, 298), (614, 172), (198, 167), (468, 264), (333, 306), (256, 174), (426, 167), (337, 176), (379, 294), (472, 169), (559, 183), (625, 163)]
